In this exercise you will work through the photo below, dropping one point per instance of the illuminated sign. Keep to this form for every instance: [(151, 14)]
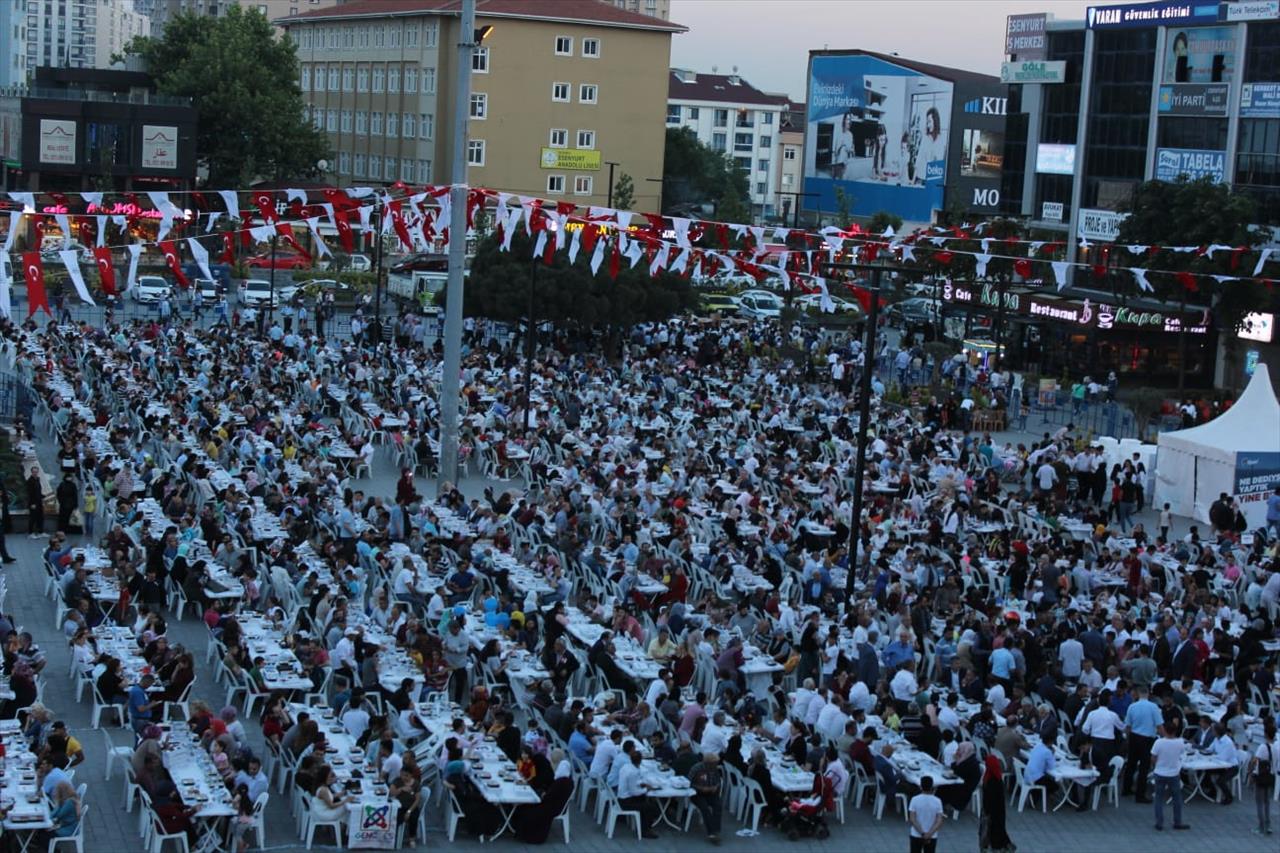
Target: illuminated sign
[(1100, 315), (1257, 326)]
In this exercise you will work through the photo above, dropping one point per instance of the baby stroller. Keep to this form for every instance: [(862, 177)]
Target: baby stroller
[(803, 819)]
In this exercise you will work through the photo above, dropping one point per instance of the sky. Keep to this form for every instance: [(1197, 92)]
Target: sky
[(769, 40)]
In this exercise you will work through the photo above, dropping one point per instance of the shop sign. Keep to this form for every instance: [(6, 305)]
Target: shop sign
[(1260, 100), (57, 141), (1024, 36), (1051, 211), (1193, 99), (1257, 10), (1033, 72), (159, 147), (1172, 163), (1167, 13), (1099, 224)]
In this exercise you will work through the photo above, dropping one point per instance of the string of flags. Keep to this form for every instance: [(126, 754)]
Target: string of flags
[(419, 216)]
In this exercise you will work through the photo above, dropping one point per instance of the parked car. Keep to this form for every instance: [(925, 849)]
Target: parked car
[(759, 305), (282, 261), (208, 289), (150, 289), (912, 311), (839, 305), (719, 303), (258, 293)]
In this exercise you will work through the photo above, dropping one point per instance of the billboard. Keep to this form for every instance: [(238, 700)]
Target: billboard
[(879, 132), (159, 147), (1199, 55), (1257, 475), (1024, 36), (1193, 99), (1165, 13), (981, 153), (1192, 162), (1260, 100), (1033, 72), (574, 159), (1055, 159), (1257, 10), (57, 141), (1099, 224)]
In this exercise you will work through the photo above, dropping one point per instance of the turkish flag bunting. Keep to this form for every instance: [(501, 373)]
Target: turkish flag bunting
[(1022, 267), (228, 247), (106, 272), (862, 295), (615, 259), (1187, 280), (266, 206), (402, 230), (285, 230), (343, 224), (944, 257), (549, 253), (175, 265), (337, 198), (1099, 271), (33, 271), (590, 233)]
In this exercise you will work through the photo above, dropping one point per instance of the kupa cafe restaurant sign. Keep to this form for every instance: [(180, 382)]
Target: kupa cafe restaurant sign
[(1086, 314)]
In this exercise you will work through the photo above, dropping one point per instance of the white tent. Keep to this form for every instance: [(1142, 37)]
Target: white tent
[(1237, 452)]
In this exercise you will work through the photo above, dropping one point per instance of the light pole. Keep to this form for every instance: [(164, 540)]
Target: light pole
[(531, 338), (610, 164)]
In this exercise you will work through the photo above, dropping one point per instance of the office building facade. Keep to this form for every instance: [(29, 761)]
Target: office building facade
[(80, 33)]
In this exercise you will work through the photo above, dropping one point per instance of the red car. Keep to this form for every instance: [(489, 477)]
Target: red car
[(283, 261)]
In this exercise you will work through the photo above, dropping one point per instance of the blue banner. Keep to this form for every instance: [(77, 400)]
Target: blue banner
[(879, 132), (1260, 100), (1194, 163), (1167, 13)]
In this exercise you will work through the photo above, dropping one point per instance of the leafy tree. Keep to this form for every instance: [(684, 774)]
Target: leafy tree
[(1197, 213), (564, 293), (696, 176), (882, 219), (844, 207), (243, 81), (624, 192)]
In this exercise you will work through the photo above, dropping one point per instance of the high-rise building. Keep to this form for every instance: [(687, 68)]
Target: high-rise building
[(80, 33), (559, 89), (653, 8), (162, 11), (13, 45), (731, 116), (791, 165)]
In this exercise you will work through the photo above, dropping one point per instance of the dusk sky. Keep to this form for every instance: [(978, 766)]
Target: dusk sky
[(770, 40)]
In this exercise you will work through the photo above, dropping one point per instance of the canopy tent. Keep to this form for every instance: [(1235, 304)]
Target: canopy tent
[(1237, 452)]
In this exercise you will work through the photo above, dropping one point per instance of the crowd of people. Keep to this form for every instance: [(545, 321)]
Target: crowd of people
[(656, 568)]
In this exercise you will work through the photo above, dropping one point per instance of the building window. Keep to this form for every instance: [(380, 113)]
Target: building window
[(429, 34), (406, 169), (760, 188), (560, 92), (745, 119), (346, 121), (393, 80), (766, 141), (364, 36), (331, 121), (591, 48), (344, 163), (333, 78), (475, 152), (742, 163), (722, 118), (480, 60), (375, 167), (582, 185), (362, 122), (719, 142), (410, 80), (362, 80), (379, 38), (587, 139), (426, 125), (588, 93), (787, 180), (393, 125), (693, 113), (306, 78), (555, 184), (673, 113), (564, 45), (375, 124), (742, 142), (559, 137), (789, 153), (424, 171), (766, 118), (379, 79), (357, 166), (409, 126), (394, 36), (411, 35), (317, 118), (348, 79), (762, 165), (428, 81), (479, 105)]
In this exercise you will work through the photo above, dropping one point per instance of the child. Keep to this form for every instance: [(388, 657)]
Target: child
[(90, 511), (244, 817), (1166, 518)]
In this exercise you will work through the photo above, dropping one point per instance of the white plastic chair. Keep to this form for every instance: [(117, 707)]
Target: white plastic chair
[(100, 705), (614, 810), (259, 824), (453, 814), (312, 824), (122, 754), (1025, 791), (77, 837), (159, 836)]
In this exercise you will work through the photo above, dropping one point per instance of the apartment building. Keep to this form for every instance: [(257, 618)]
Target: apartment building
[(559, 89), (791, 165), (653, 8), (13, 45), (80, 33), (732, 116), (162, 11)]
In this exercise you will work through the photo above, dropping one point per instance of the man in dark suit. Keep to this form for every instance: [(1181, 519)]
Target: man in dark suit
[(1184, 656)]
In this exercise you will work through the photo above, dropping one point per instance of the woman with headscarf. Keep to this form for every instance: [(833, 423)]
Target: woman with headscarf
[(533, 823), (22, 681), (991, 830), (965, 765)]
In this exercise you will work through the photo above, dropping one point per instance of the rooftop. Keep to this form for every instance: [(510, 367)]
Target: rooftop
[(955, 75), (685, 85), (590, 12)]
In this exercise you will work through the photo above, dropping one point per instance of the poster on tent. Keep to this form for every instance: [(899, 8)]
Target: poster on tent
[(1257, 475), (372, 826)]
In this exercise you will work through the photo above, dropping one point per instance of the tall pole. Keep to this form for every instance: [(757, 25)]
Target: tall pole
[(377, 275), (531, 338), (449, 391), (864, 423), (271, 306), (610, 164)]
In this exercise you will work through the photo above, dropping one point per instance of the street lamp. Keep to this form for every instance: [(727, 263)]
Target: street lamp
[(610, 164)]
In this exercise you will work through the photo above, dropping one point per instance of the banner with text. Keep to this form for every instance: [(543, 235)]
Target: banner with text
[(1192, 162), (1257, 476)]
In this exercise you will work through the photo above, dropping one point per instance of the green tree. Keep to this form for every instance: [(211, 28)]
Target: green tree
[(243, 81), (844, 207), (624, 192), (694, 176), (1197, 213), (882, 219), (568, 294)]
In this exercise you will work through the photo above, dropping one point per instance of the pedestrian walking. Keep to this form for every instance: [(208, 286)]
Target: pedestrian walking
[(1262, 770), (6, 523), (35, 504), (68, 502), (1168, 752), (89, 509), (925, 814)]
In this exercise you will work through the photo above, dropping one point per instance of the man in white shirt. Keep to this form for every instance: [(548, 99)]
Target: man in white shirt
[(1071, 655), (606, 750), (715, 737), (1046, 477), (1102, 724), (904, 687), (816, 704), (355, 719), (925, 814), (1167, 752), (804, 695), (633, 795), (832, 719)]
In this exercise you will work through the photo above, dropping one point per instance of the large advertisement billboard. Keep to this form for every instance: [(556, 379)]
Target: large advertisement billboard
[(879, 132), (1200, 55)]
